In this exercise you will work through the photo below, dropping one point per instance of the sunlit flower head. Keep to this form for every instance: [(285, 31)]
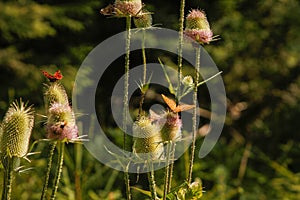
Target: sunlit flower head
[(16, 130), (147, 137), (61, 123), (198, 28)]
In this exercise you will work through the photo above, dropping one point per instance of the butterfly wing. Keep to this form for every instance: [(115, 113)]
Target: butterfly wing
[(183, 107), (58, 75), (170, 102), (52, 78)]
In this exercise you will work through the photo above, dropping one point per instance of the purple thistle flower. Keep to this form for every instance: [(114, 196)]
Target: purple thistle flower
[(198, 28), (61, 123)]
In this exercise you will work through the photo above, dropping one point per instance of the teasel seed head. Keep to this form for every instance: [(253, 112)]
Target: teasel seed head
[(127, 7), (171, 125), (147, 138), (198, 28), (196, 19), (61, 123), (143, 20), (55, 93), (16, 130)]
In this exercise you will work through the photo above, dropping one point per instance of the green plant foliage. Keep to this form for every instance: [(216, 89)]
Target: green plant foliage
[(257, 156)]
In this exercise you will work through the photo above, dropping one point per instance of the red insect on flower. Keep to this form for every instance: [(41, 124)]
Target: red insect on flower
[(55, 77)]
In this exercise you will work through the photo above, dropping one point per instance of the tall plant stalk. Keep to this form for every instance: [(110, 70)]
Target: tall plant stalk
[(151, 179), (144, 57), (179, 78), (125, 100), (195, 128), (46, 182), (58, 169), (167, 172), (8, 179)]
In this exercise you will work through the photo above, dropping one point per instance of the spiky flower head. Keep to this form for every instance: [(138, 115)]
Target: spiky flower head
[(16, 130), (196, 19), (143, 20), (61, 123), (127, 7), (197, 27), (55, 93), (147, 138), (171, 125)]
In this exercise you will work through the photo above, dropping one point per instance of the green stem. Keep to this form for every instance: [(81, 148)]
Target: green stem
[(195, 128), (144, 72), (171, 166), (144, 58), (125, 101), (167, 171), (8, 178), (58, 170), (151, 179), (51, 153), (181, 22)]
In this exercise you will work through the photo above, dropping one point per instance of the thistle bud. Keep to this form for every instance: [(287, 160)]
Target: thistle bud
[(56, 93), (197, 27), (147, 138), (127, 7), (170, 124), (188, 81), (61, 123), (143, 20), (16, 130)]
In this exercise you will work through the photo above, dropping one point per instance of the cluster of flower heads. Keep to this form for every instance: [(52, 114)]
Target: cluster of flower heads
[(197, 27), (124, 8), (60, 119), (152, 131)]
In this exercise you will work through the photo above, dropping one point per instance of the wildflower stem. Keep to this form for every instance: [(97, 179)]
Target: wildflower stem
[(167, 171), (181, 21), (144, 57), (51, 153), (8, 178), (125, 100), (144, 71), (58, 169), (195, 128), (151, 179), (171, 166)]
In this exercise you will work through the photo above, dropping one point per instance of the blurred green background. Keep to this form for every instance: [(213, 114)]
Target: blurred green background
[(258, 154)]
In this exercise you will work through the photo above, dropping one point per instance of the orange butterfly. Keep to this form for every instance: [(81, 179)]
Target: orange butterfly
[(176, 109), (55, 77)]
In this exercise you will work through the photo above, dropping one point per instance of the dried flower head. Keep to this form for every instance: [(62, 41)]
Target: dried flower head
[(127, 7), (61, 123), (16, 130), (147, 138)]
